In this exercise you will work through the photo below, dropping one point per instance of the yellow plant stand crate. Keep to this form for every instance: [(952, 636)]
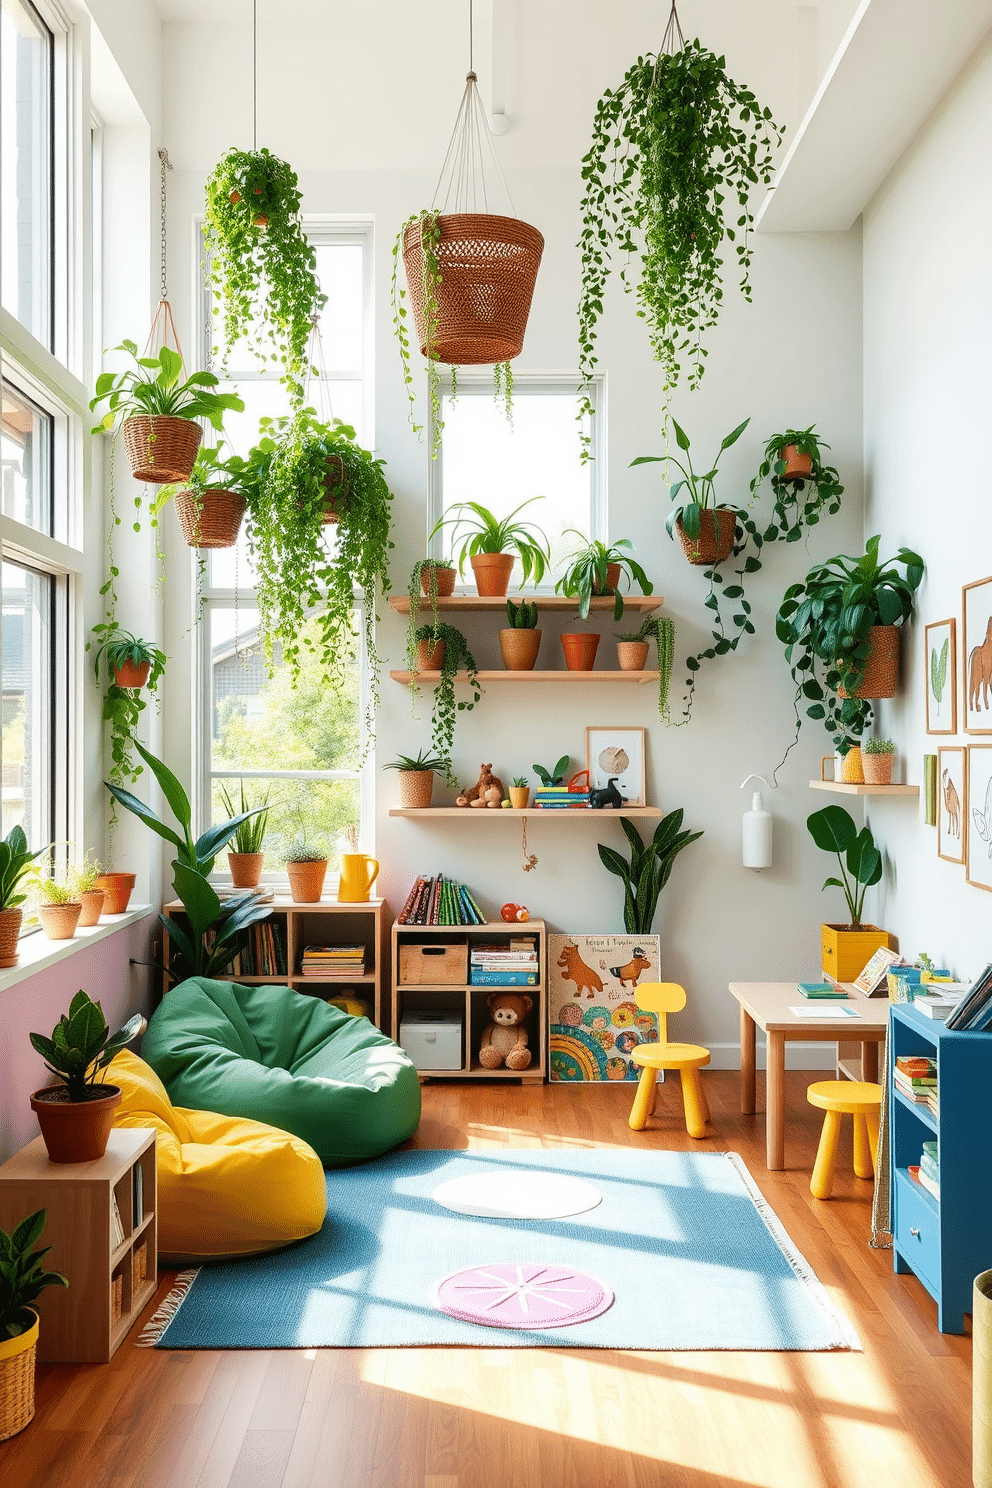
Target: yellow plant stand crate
[(846, 952)]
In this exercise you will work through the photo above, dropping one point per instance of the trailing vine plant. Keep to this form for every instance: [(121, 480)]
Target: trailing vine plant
[(661, 630), (446, 706), (800, 500), (424, 567)]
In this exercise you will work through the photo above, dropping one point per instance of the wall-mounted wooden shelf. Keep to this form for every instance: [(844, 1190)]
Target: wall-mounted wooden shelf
[(842, 788), (485, 814), (641, 603), (503, 676)]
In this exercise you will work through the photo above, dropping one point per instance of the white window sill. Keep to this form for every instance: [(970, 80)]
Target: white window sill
[(36, 952)]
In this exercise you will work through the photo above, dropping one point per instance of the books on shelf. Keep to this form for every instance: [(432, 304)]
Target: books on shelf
[(333, 961), (264, 953), (559, 798), (938, 1000), (440, 901), (512, 965), (482, 978), (974, 1012), (931, 1185), (915, 1076), (116, 1227)]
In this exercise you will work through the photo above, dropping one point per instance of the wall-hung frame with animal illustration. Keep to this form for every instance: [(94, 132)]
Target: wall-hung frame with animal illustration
[(976, 613), (595, 1022), (979, 816), (617, 754), (952, 789), (942, 677)]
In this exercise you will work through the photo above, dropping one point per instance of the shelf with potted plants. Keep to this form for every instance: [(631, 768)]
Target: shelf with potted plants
[(417, 785), (877, 757)]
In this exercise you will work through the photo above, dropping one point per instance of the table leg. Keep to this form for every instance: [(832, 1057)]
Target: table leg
[(869, 1061), (775, 1101), (747, 1063)]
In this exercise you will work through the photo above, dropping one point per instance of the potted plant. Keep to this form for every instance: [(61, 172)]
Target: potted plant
[(519, 793), (209, 505), (417, 777), (579, 648), (839, 627), (84, 879), (489, 543), (131, 664), (847, 949), (76, 1116), (159, 413), (430, 579), (649, 868), (21, 1283), (117, 889), (247, 857), (520, 642), (594, 568), (58, 905), (802, 485), (259, 262), (632, 654), (876, 761), (306, 868), (447, 648), (706, 528), (15, 864)]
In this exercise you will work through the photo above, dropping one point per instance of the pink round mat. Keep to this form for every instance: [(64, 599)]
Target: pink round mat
[(513, 1294)]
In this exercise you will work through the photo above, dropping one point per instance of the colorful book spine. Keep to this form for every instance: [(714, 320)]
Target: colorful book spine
[(503, 978)]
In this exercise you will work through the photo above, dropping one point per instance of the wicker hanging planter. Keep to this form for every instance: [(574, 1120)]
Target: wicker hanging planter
[(161, 449), (716, 536), (337, 490), (210, 519), (881, 678)]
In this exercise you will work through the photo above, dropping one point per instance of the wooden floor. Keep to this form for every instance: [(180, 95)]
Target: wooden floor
[(896, 1416)]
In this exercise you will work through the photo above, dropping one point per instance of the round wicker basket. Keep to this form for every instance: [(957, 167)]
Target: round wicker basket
[(488, 268), (337, 489), (881, 679), (210, 519), (59, 921), (10, 929), (632, 655), (17, 1358), (161, 449), (715, 540)]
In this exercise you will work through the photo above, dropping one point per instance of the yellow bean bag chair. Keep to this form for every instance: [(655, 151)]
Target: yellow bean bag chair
[(226, 1186)]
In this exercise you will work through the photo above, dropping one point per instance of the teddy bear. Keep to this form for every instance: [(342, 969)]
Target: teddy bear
[(504, 1038), (488, 791)]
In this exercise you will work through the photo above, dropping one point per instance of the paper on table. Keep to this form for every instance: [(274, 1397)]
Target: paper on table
[(831, 1012)]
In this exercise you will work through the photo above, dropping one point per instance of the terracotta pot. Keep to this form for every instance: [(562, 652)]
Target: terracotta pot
[(17, 1361), (877, 768), (519, 649), (881, 678), (10, 929), (580, 650), (59, 921), (416, 789), (437, 582), (117, 888), (519, 797), (75, 1131), (715, 541), (797, 466), (632, 655), (613, 572), (306, 881), (246, 869), (431, 658), (92, 907), (492, 572), (132, 674), (851, 768)]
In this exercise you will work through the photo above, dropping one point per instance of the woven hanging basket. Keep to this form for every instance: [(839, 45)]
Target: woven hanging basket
[(161, 449), (17, 1357), (488, 268), (715, 540), (210, 519), (881, 679), (337, 489)]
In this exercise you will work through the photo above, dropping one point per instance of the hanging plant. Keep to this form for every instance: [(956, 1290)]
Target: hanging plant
[(803, 486), (661, 630), (676, 151), (428, 570), (259, 261), (132, 665), (456, 655)]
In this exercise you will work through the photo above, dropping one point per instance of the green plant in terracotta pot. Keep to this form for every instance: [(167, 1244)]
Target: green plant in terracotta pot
[(431, 579), (76, 1116), (84, 879), (15, 865), (132, 665), (446, 647), (490, 543), (632, 653), (58, 905), (804, 487), (593, 568), (246, 857), (520, 640), (306, 868)]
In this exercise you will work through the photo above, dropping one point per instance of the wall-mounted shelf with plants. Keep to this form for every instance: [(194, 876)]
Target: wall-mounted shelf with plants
[(467, 602), (842, 788), (451, 813), (504, 676)]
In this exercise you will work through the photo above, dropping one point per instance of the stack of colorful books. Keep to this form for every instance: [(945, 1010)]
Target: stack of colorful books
[(337, 962), (264, 953), (930, 1168), (560, 798), (512, 965), (440, 901), (916, 1075)]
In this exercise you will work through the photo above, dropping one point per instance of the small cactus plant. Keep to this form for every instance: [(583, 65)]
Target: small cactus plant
[(878, 746), (521, 616)]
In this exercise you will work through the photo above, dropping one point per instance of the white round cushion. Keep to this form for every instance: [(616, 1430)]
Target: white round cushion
[(518, 1194)]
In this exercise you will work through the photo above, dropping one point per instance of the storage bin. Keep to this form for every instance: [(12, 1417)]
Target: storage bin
[(433, 1039), (433, 964)]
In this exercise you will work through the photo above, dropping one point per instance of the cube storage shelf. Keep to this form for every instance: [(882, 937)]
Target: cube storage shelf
[(78, 1324), (944, 1242), (470, 1001)]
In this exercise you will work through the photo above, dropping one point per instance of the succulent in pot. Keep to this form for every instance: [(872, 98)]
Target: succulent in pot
[(306, 868), (491, 544), (245, 857), (21, 1283), (520, 641), (76, 1115), (877, 756), (519, 793), (15, 864), (595, 569), (58, 904), (416, 774)]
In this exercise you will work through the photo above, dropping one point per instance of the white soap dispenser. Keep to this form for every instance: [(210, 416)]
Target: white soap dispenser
[(757, 830)]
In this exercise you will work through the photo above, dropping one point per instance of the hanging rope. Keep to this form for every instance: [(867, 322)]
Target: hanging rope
[(673, 41), (163, 328), (461, 186), (317, 364), (163, 156)]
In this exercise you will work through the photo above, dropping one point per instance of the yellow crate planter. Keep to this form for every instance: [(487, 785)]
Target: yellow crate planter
[(847, 952)]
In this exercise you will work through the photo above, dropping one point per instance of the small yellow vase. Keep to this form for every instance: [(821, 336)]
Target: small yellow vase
[(358, 874), (852, 771)]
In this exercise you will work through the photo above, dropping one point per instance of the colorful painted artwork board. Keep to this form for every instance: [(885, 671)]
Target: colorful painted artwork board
[(592, 1007), (976, 605)]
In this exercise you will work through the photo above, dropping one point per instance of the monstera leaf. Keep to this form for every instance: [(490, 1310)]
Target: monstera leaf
[(938, 671)]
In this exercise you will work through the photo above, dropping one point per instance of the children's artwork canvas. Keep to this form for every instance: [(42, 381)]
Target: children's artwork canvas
[(592, 1006), (976, 604), (942, 677), (979, 823), (952, 792)]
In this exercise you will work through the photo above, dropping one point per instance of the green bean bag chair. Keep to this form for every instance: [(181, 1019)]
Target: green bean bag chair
[(291, 1061)]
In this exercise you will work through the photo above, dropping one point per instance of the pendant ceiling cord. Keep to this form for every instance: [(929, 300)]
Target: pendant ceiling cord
[(461, 186), (673, 41), (254, 74)]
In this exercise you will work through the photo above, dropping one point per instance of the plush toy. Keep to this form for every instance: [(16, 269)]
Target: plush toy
[(504, 1038), (488, 791)]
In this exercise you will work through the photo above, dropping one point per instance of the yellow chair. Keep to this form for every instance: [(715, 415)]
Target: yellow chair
[(838, 1098), (663, 998)]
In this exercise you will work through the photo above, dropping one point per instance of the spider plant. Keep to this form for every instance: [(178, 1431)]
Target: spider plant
[(482, 532)]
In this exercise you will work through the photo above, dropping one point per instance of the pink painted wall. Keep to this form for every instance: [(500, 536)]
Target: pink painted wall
[(37, 1003)]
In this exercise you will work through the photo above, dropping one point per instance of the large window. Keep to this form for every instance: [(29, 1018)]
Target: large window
[(27, 251)]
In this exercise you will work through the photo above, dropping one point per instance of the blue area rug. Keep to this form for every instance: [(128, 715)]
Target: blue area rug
[(695, 1257)]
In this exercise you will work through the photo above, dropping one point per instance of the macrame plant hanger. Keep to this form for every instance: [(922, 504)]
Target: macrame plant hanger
[(463, 174), (163, 329), (673, 41)]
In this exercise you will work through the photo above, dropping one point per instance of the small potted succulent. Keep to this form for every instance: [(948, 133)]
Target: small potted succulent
[(83, 879), (246, 856), (306, 868), (15, 865), (490, 543), (416, 774), (706, 528), (520, 642), (519, 793), (595, 569), (210, 504), (59, 907), (76, 1116), (876, 761), (21, 1282), (847, 949)]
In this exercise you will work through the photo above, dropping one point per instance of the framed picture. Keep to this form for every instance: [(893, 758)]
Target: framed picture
[(976, 610), (942, 677), (952, 791), (594, 1019), (617, 754), (979, 817)]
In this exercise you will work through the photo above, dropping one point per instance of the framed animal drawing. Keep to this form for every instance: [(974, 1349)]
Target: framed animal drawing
[(976, 609), (979, 819), (617, 755), (594, 1019), (952, 793), (941, 665)]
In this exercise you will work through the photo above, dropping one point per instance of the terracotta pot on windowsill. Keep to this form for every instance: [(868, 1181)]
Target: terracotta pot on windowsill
[(92, 902), (306, 881), (59, 921), (117, 890), (246, 869), (10, 929)]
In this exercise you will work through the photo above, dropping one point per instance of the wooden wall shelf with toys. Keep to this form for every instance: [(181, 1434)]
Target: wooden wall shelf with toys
[(640, 603), (450, 812), (410, 994), (845, 788)]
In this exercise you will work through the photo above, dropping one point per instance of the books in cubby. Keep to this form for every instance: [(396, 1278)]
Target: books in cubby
[(929, 1174), (974, 1012), (915, 1076), (440, 901), (265, 952), (512, 965), (339, 961)]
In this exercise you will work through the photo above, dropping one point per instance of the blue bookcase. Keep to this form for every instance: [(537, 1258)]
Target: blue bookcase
[(946, 1243)]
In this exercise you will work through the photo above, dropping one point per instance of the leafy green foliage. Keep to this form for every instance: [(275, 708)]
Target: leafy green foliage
[(521, 616), (799, 502), (427, 567), (520, 782), (422, 760), (661, 630), (81, 1045), (586, 573), (485, 533), (47, 889), (938, 671), (21, 1278), (15, 865), (553, 776), (249, 836), (833, 830), (649, 869), (133, 391), (878, 746), (123, 706), (446, 706), (213, 933)]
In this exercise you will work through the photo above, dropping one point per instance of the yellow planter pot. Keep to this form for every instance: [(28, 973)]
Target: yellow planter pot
[(846, 952), (17, 1356)]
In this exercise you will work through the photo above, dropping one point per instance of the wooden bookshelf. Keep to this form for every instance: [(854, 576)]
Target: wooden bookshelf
[(460, 603), (449, 813)]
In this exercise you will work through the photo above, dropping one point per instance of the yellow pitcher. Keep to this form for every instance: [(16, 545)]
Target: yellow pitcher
[(358, 874)]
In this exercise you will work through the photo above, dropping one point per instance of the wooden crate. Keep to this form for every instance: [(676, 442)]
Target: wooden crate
[(433, 964)]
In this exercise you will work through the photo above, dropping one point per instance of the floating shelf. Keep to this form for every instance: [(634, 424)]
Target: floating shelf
[(641, 603), (583, 812), (504, 676), (842, 788)]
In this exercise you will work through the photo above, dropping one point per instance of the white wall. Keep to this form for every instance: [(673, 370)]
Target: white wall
[(928, 383)]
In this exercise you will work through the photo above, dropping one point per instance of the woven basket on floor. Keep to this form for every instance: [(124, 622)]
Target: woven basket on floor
[(488, 268), (715, 540), (881, 679), (210, 519), (17, 1356), (161, 449)]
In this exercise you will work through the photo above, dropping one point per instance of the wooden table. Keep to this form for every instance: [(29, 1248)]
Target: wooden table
[(766, 1005)]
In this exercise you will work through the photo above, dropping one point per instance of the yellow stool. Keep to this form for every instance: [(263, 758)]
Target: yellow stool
[(663, 998), (844, 1098)]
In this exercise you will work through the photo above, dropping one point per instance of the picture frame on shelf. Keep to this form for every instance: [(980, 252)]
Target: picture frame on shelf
[(941, 668), (976, 618), (978, 824), (617, 754), (952, 806)]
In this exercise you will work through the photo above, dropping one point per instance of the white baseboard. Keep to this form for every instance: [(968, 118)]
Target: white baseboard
[(798, 1055)]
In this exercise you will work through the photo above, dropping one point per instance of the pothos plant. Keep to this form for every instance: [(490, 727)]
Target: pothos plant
[(676, 151), (261, 265), (123, 706), (446, 706), (423, 567), (800, 500)]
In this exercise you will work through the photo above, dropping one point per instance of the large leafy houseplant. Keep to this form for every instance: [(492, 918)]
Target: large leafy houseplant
[(259, 262), (152, 387), (859, 861), (588, 568), (649, 869), (81, 1046), (21, 1278), (800, 498)]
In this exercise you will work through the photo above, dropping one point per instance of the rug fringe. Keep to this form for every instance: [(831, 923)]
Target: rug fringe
[(151, 1334), (800, 1266)]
